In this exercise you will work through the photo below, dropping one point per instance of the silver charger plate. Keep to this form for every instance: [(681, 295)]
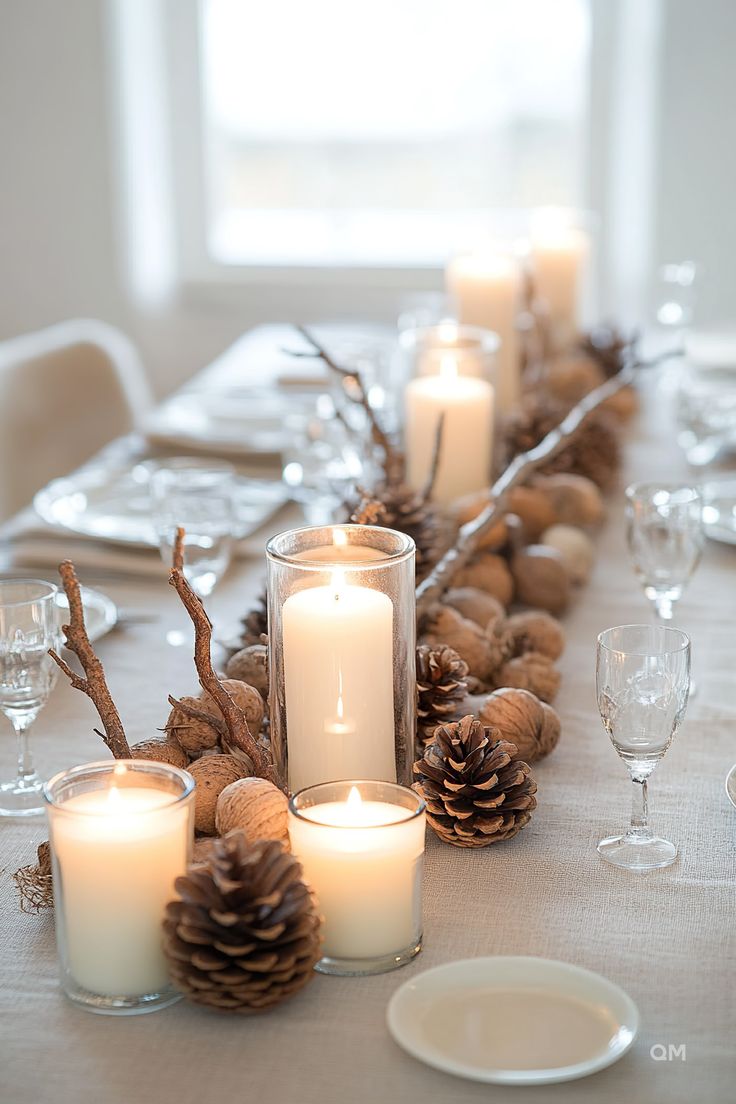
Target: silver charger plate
[(116, 506), (513, 1020), (100, 612), (719, 510)]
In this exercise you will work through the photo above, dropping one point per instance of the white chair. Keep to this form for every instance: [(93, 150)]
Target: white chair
[(64, 393)]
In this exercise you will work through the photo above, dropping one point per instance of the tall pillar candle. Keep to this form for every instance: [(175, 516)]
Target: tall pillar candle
[(486, 292), (558, 254), (119, 840), (467, 409)]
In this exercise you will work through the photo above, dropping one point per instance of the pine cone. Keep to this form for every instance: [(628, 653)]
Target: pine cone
[(255, 623), (594, 451), (396, 506), (477, 791), (608, 347), (245, 934), (441, 686)]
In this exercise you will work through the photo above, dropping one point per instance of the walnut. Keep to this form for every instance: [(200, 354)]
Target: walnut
[(541, 579), (193, 734), (533, 509), (532, 671), (489, 573), (476, 605), (161, 751), (468, 508), (212, 774), (524, 720), (575, 499), (256, 806), (248, 698), (536, 631), (251, 665), (572, 376), (447, 626), (576, 549)]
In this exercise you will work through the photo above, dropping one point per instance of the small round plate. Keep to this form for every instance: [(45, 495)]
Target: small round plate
[(513, 1020), (731, 785), (100, 612)]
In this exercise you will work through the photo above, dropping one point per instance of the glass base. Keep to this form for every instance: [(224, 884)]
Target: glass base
[(638, 853), (361, 967), (121, 1006), (23, 797)]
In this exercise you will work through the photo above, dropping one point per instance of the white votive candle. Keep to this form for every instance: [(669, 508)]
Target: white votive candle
[(467, 432), (118, 849), (559, 255), (486, 291), (362, 847)]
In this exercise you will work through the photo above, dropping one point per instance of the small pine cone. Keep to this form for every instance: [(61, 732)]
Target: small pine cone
[(255, 622), (441, 686), (595, 451), (476, 789), (244, 935), (396, 506), (608, 347)]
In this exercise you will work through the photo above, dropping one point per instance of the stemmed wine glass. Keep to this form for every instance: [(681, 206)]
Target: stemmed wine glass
[(29, 625), (642, 685), (665, 537)]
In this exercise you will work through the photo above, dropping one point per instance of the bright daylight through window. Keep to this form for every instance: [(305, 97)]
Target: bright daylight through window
[(392, 151)]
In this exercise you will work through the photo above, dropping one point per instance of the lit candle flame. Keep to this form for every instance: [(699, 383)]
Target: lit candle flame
[(447, 333), (355, 803), (448, 367), (339, 538)]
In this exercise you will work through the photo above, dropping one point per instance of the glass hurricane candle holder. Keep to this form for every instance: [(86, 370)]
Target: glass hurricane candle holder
[(474, 349), (121, 833), (342, 636), (361, 844)]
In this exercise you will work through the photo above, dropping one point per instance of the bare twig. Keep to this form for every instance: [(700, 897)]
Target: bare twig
[(195, 714), (94, 684), (393, 457), (238, 731), (426, 492), (468, 538), (177, 561)]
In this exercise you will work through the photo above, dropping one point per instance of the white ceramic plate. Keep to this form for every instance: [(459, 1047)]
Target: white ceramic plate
[(116, 506), (513, 1020), (731, 785), (100, 612), (719, 510)]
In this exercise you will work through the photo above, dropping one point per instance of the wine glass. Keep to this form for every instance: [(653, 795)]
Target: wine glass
[(642, 685), (29, 626)]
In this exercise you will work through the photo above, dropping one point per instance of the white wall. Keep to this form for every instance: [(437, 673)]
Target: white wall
[(58, 243)]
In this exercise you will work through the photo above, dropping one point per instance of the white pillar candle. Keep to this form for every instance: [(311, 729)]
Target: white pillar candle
[(559, 254), (118, 852), (364, 861), (486, 291), (467, 433), (338, 677)]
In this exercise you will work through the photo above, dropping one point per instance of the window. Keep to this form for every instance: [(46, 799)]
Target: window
[(387, 133)]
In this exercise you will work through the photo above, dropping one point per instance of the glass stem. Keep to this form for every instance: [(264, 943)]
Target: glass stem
[(639, 808), (664, 608), (26, 768)]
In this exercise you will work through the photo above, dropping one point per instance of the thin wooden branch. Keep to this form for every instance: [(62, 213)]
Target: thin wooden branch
[(426, 493), (177, 561), (94, 684), (393, 457), (518, 471), (238, 731), (195, 714)]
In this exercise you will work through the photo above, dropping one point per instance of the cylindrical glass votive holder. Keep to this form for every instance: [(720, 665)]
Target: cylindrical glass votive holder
[(473, 350), (342, 636), (120, 833), (361, 844)]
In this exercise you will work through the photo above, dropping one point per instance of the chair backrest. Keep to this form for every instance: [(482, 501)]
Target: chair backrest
[(64, 393)]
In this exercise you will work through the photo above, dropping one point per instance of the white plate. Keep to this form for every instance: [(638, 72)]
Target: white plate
[(719, 510), (100, 612), (116, 506), (513, 1020), (731, 785)]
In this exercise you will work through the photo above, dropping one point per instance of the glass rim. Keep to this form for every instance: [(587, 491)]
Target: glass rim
[(634, 490), (416, 337), (405, 551), (667, 629), (102, 767), (186, 464), (421, 804), (51, 590)]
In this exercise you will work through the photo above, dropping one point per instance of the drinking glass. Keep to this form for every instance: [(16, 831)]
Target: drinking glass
[(665, 537), (642, 684), (200, 498), (29, 626)]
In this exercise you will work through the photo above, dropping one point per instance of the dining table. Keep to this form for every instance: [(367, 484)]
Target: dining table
[(668, 937)]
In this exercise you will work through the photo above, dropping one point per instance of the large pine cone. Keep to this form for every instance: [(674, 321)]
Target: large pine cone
[(595, 450), (477, 791), (441, 686), (396, 506), (245, 934)]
